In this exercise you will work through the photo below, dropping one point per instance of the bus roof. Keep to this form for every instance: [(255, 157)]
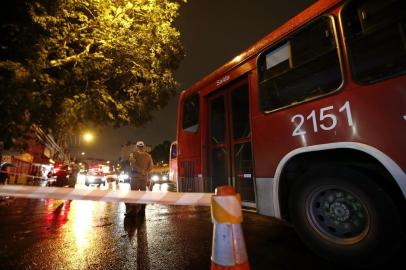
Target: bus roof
[(297, 21)]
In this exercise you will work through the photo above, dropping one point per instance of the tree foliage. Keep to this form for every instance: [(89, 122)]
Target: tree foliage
[(67, 63), (160, 153)]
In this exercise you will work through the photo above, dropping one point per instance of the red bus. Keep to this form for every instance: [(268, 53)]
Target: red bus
[(309, 125)]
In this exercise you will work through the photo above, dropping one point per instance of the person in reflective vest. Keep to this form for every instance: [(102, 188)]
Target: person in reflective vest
[(141, 164)]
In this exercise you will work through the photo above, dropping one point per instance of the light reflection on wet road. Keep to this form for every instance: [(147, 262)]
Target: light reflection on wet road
[(55, 234)]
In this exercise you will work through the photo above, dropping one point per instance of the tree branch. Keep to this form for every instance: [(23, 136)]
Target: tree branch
[(61, 62)]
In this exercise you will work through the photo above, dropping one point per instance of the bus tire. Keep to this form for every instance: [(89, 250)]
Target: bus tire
[(345, 217)]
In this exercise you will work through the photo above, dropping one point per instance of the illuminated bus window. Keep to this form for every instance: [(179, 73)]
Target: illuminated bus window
[(303, 67), (190, 114)]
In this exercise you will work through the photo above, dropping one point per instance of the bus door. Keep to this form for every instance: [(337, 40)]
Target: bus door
[(230, 156)]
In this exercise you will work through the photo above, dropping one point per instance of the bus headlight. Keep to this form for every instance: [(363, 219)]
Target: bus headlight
[(155, 177)]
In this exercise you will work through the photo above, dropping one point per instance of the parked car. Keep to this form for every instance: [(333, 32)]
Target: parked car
[(159, 177), (111, 177), (57, 175), (95, 178), (123, 177)]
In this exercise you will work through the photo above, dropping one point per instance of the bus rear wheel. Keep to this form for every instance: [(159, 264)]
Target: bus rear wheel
[(344, 216)]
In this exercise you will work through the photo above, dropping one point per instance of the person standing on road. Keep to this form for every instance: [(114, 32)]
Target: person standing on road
[(3, 175), (140, 164), (74, 171)]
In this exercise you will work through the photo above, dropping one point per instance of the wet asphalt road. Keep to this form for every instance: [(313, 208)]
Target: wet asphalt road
[(54, 234)]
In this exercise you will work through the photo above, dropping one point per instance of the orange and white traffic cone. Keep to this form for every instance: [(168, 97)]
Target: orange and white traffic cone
[(228, 249)]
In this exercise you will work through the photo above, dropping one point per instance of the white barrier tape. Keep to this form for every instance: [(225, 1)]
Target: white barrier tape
[(26, 175), (143, 197)]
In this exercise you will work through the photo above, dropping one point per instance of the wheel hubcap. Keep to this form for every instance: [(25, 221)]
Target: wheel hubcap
[(338, 215), (339, 211)]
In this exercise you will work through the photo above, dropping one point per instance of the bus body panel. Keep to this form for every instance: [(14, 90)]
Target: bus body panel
[(368, 125), (188, 156)]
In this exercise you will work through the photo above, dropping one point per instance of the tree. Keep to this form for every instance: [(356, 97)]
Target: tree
[(160, 153), (67, 63)]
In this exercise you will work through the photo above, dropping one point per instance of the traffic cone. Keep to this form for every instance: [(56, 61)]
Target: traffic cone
[(228, 249)]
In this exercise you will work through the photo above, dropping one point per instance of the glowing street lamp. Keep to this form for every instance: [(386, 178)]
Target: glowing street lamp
[(88, 137)]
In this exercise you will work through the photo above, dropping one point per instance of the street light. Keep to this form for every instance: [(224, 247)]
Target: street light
[(88, 137)]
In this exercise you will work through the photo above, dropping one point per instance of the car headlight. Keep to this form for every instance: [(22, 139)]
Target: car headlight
[(123, 176), (155, 177), (164, 178), (81, 177)]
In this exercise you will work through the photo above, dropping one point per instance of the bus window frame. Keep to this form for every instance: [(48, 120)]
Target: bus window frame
[(285, 39), (173, 145), (184, 99), (348, 50)]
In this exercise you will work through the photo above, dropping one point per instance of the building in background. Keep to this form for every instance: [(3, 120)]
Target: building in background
[(36, 160)]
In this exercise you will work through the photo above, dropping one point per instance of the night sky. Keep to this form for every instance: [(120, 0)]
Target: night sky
[(213, 32)]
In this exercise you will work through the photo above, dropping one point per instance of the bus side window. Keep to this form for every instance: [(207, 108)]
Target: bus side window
[(303, 67), (190, 114), (375, 32), (173, 151)]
